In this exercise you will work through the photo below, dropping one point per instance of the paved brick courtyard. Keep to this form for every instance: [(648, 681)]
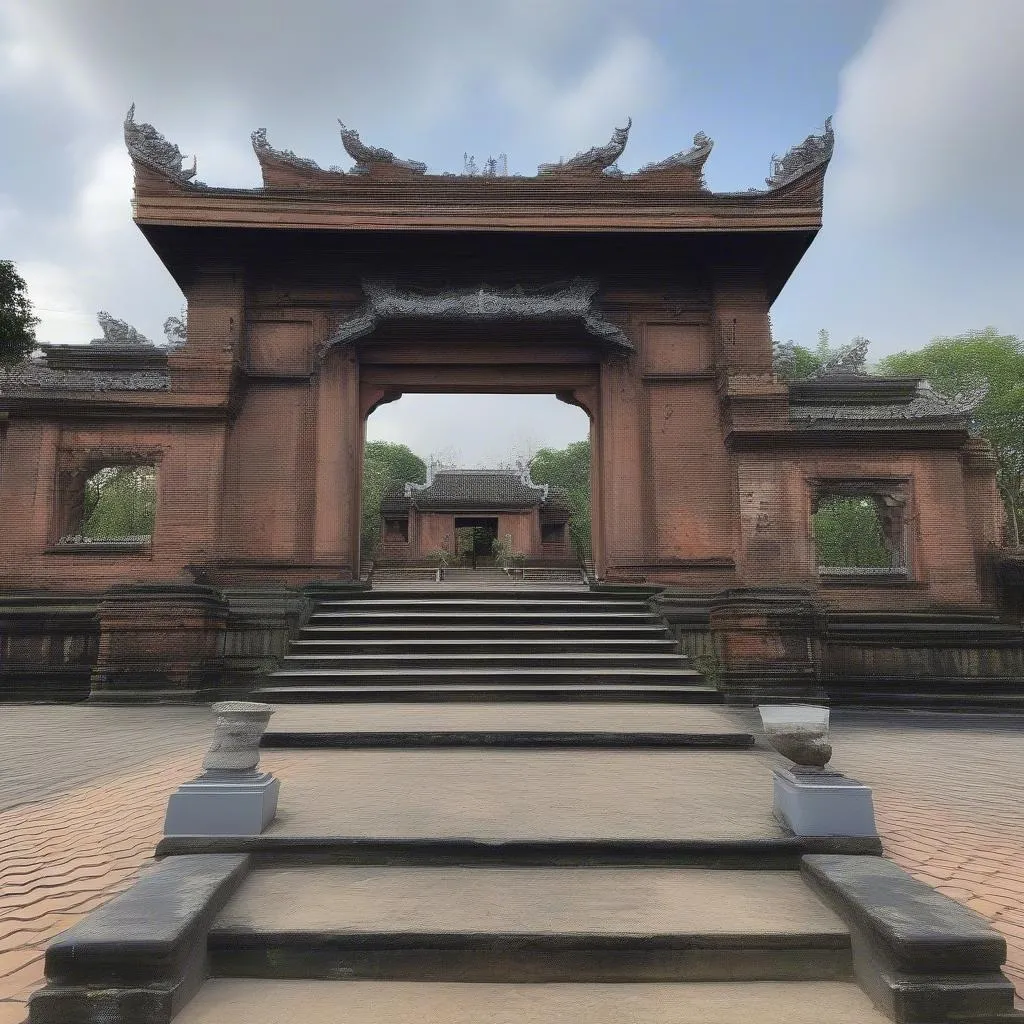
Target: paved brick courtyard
[(83, 792)]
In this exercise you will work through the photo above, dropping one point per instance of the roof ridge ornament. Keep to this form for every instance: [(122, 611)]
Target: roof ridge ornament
[(263, 148), (386, 301), (850, 359), (803, 157), (119, 333), (366, 157), (695, 156), (146, 145), (595, 160)]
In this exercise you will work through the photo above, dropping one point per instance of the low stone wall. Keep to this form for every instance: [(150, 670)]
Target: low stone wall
[(48, 645), (885, 658)]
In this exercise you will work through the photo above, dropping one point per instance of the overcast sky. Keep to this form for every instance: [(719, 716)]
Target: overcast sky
[(924, 206)]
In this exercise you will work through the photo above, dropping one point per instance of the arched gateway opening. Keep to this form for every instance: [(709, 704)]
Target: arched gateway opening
[(482, 481), (497, 358)]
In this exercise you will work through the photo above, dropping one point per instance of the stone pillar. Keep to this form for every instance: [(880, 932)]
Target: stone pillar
[(769, 643), (339, 446), (623, 527), (986, 514), (159, 642)]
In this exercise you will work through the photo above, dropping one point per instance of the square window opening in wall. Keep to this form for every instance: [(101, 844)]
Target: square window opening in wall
[(860, 529), (396, 530), (552, 533), (109, 506)]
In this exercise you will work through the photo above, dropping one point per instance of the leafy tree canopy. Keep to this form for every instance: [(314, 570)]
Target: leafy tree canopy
[(569, 468), (384, 461), (17, 322), (958, 365), (119, 502)]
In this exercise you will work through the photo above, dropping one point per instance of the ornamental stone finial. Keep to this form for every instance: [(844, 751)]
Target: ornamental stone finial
[(595, 160), (366, 156), (119, 333), (850, 359), (236, 737), (813, 151), (262, 147), (798, 732), (149, 147), (695, 156)]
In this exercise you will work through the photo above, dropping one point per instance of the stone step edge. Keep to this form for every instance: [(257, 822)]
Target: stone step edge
[(774, 853), (681, 671), (510, 957), (528, 739), (566, 694), (919, 954)]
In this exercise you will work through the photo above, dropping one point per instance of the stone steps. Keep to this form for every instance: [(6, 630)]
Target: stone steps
[(469, 646), (436, 659), (259, 1001), (524, 725), (643, 631), (514, 690), (479, 646), (508, 924)]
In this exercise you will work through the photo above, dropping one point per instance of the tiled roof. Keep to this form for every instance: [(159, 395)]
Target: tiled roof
[(35, 376), (856, 400), (471, 490), (477, 488)]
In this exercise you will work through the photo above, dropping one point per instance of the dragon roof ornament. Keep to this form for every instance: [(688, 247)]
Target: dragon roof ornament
[(812, 152), (595, 160), (262, 147), (574, 301), (119, 333), (366, 156), (695, 156), (850, 359), (146, 145)]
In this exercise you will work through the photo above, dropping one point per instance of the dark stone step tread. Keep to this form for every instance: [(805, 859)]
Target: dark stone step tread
[(521, 739), (538, 671)]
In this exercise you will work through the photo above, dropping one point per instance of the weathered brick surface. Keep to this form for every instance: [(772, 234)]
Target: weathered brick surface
[(87, 790)]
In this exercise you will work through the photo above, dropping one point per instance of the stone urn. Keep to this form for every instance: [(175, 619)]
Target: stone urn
[(236, 736), (798, 732)]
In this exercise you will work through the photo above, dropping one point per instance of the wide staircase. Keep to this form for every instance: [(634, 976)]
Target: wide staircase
[(454, 644)]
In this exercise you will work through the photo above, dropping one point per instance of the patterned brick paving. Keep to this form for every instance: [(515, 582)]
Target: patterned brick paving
[(86, 788)]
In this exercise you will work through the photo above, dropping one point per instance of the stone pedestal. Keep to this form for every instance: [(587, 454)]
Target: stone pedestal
[(159, 641), (223, 803), (823, 803), (768, 641)]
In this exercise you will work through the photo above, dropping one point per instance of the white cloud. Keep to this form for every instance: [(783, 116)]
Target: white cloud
[(37, 53), (103, 206), (622, 81), (55, 291), (930, 109), (488, 430)]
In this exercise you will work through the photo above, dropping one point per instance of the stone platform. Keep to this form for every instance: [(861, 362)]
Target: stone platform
[(471, 884)]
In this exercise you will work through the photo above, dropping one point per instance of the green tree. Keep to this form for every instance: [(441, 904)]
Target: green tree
[(981, 359), (794, 362), (847, 532), (569, 469), (384, 462), (17, 322), (120, 501)]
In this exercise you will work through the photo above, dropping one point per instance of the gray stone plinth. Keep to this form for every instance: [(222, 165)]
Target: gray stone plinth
[(223, 804), (823, 804)]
